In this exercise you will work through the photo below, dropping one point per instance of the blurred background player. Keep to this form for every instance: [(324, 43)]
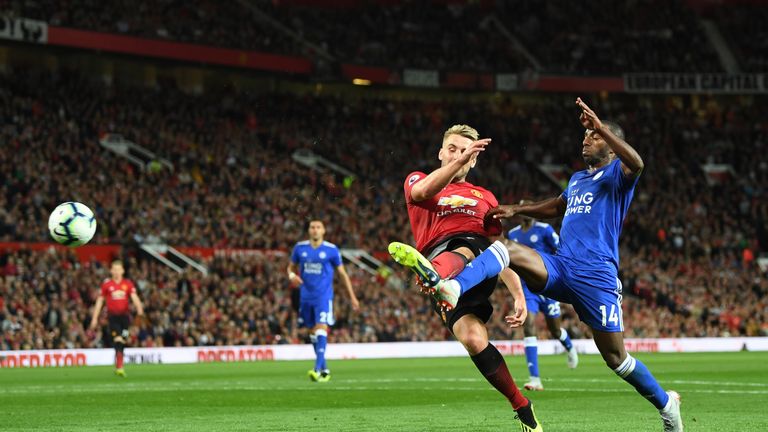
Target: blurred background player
[(448, 221), (543, 238), (312, 264), (116, 292)]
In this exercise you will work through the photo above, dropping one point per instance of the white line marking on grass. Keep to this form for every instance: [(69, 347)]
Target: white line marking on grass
[(684, 382), (556, 380), (111, 388)]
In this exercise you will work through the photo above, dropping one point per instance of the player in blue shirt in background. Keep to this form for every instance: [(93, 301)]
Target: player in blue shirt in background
[(312, 264), (584, 272), (542, 238)]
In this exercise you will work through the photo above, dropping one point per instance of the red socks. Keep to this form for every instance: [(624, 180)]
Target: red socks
[(491, 364), (448, 264)]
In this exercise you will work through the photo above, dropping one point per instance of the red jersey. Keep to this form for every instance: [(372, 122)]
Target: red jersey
[(458, 208), (117, 295)]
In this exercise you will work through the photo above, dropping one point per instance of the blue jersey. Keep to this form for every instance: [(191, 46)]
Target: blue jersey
[(316, 266), (597, 203), (540, 237)]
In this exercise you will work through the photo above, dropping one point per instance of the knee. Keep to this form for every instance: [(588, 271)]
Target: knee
[(528, 328), (554, 329), (613, 359), (473, 339)]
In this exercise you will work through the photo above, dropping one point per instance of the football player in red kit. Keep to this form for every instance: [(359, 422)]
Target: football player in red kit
[(116, 292), (448, 220)]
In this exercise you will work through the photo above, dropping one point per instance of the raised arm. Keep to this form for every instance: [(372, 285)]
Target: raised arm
[(441, 177), (631, 162), (546, 209), (348, 285)]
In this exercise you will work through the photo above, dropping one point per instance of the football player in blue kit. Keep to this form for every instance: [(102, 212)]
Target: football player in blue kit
[(312, 264), (584, 272), (541, 237)]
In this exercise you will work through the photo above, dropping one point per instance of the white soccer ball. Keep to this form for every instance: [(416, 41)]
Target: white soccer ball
[(72, 224)]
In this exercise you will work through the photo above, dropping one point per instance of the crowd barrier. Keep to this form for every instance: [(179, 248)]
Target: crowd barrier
[(102, 357)]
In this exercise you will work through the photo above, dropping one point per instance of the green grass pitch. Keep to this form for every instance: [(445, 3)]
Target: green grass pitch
[(721, 392)]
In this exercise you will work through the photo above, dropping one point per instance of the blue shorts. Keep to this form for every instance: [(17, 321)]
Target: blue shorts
[(312, 313), (594, 290), (538, 303)]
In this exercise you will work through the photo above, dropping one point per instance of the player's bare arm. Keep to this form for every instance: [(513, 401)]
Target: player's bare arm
[(441, 177), (512, 282), (348, 285), (631, 162), (545, 209), (137, 304), (293, 276), (96, 312)]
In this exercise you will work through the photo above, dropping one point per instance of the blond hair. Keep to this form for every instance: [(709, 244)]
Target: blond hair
[(462, 130)]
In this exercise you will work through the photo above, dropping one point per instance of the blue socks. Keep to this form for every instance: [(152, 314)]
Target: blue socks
[(634, 372), (565, 339), (490, 263), (532, 355), (322, 341)]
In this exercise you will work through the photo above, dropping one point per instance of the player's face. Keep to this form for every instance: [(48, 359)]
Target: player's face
[(117, 271), (316, 230), (453, 147), (594, 150)]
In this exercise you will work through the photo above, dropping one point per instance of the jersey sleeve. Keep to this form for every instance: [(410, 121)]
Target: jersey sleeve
[(336, 257), (623, 182), (103, 289), (131, 288), (411, 180), (295, 255)]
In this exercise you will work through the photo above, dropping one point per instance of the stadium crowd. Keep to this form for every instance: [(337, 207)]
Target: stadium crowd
[(689, 247), (225, 24), (582, 37), (743, 26)]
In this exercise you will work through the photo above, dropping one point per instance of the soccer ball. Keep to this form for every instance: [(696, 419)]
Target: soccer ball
[(72, 224)]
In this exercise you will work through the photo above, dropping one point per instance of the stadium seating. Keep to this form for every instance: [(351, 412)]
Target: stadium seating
[(580, 37), (744, 27)]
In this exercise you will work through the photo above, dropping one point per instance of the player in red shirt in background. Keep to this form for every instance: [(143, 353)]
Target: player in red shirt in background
[(116, 292), (448, 220)]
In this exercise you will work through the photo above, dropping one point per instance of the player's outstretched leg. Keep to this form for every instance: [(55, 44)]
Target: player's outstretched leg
[(446, 293), (633, 371), (413, 259)]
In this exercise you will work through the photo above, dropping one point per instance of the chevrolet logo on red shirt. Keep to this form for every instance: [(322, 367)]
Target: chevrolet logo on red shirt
[(456, 201)]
